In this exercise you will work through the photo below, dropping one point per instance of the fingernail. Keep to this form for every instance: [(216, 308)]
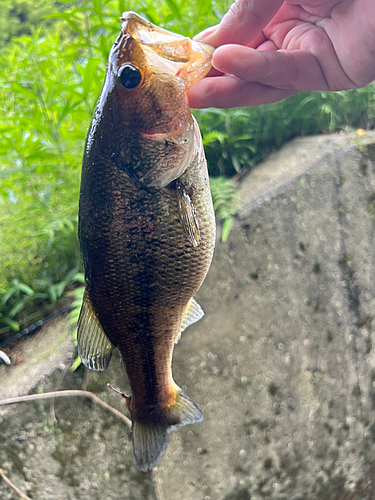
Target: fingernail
[(205, 33)]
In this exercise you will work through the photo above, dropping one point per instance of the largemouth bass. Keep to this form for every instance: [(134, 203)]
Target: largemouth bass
[(146, 224)]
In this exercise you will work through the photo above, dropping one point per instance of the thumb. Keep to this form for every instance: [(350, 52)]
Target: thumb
[(242, 23)]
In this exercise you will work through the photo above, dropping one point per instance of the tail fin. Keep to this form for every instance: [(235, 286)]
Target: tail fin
[(149, 442), (151, 439)]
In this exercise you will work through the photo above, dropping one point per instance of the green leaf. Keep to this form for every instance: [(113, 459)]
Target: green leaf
[(9, 171), (227, 226), (172, 5), (98, 9), (76, 364), (150, 16), (71, 275), (88, 75), (68, 18), (76, 304), (121, 6), (14, 325), (236, 163), (8, 295), (19, 306), (24, 288)]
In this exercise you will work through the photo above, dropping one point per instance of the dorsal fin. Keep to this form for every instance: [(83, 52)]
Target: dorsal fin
[(94, 347)]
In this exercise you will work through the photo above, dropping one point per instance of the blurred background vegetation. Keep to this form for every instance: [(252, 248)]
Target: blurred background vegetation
[(53, 57)]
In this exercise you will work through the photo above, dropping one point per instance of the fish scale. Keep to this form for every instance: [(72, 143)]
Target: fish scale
[(146, 225)]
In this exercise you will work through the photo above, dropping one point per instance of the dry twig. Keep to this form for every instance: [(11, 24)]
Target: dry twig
[(22, 495), (158, 488), (60, 394)]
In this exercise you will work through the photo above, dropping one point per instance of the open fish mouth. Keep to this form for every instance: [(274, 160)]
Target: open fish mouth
[(167, 52)]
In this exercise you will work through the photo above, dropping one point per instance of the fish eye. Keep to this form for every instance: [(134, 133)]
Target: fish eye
[(129, 75)]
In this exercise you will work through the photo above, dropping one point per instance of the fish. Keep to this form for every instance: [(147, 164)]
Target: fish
[(146, 224)]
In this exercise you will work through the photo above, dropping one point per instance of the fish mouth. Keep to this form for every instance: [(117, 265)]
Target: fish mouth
[(169, 53)]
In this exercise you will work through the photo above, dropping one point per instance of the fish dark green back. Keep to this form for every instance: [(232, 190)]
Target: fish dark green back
[(146, 224)]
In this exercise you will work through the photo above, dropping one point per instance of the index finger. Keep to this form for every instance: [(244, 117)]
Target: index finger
[(242, 23)]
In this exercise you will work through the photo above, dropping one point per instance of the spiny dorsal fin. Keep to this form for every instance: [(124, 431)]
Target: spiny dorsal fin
[(187, 215), (94, 347), (193, 313)]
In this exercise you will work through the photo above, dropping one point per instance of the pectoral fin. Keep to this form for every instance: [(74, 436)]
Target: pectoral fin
[(193, 313), (94, 347), (187, 215)]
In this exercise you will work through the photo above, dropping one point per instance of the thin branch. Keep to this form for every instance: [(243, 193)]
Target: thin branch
[(22, 495), (158, 488), (61, 394)]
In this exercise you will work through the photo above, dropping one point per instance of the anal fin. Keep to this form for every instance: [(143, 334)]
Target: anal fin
[(94, 347), (187, 215), (193, 313)]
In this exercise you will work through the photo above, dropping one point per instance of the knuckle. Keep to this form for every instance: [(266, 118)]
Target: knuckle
[(243, 10)]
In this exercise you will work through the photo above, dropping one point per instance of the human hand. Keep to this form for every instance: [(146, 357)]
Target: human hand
[(272, 49)]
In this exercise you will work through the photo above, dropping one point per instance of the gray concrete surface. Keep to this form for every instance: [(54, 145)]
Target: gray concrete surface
[(282, 365)]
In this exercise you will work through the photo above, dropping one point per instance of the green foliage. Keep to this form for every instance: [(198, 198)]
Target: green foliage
[(19, 297), (22, 17), (226, 202), (239, 138), (40, 150), (49, 83)]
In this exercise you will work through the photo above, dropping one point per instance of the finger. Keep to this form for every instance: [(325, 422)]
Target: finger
[(312, 66), (289, 70), (257, 41), (243, 22), (267, 45), (231, 92), (204, 34)]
